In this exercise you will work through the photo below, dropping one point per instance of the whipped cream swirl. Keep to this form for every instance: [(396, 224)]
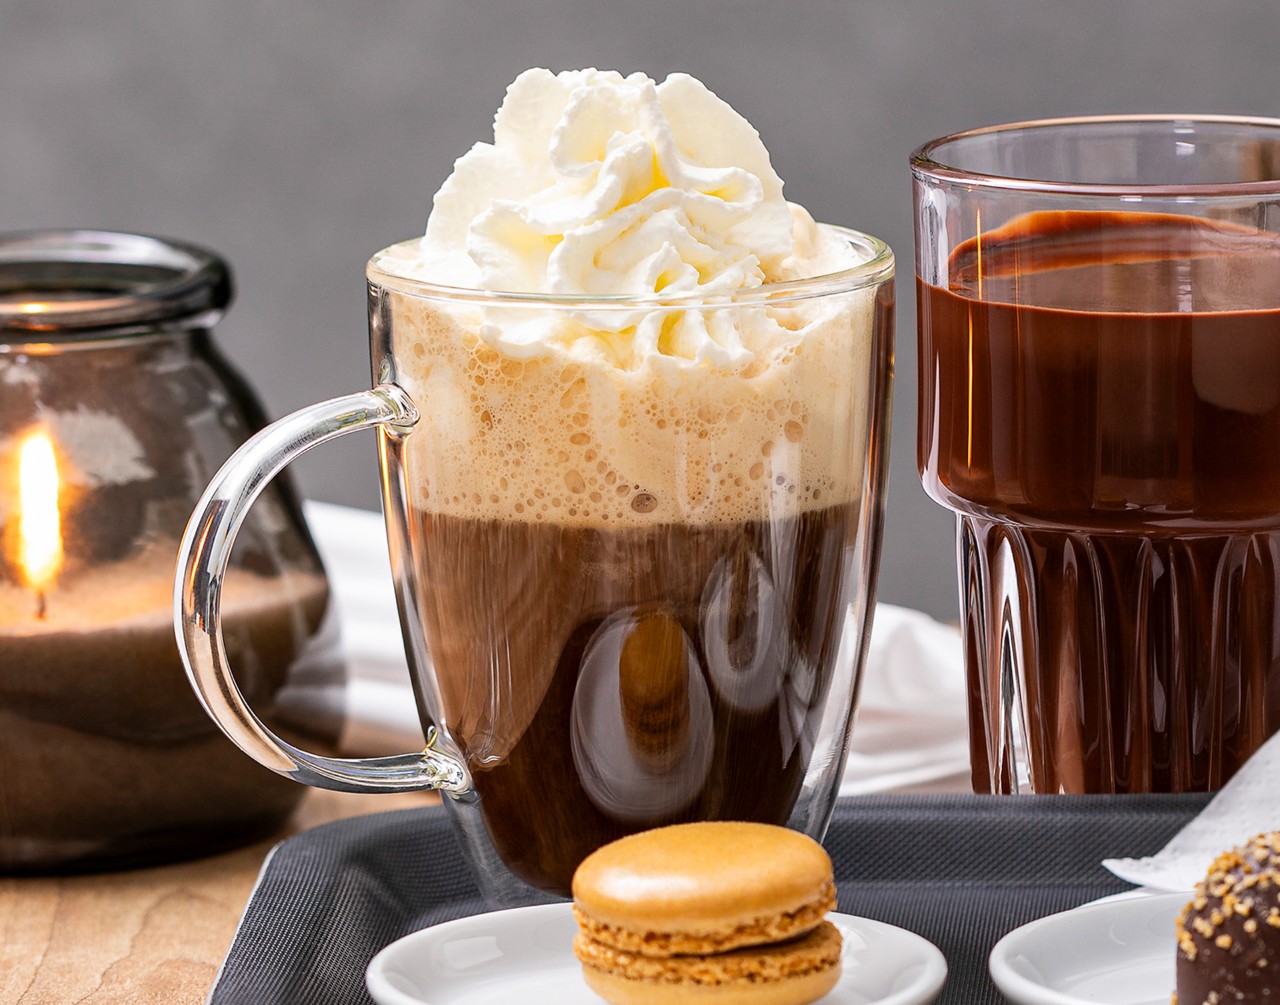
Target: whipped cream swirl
[(602, 185)]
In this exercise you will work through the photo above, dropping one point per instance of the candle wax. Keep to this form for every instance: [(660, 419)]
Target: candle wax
[(105, 751)]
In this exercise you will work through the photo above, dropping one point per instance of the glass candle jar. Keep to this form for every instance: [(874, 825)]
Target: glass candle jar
[(115, 410)]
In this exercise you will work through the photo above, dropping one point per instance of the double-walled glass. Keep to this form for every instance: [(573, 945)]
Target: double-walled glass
[(634, 587), (1099, 336)]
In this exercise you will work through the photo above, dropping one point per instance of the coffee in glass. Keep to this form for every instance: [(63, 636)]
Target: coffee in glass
[(633, 414)]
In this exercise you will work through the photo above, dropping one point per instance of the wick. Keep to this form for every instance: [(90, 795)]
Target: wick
[(42, 605)]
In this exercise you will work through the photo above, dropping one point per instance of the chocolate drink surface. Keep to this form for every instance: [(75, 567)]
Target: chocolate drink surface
[(1101, 402), (659, 675)]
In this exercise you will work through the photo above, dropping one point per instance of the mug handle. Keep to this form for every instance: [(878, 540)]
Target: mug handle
[(197, 599)]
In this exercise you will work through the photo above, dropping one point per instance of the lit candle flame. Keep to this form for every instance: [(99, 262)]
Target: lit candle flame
[(39, 524)]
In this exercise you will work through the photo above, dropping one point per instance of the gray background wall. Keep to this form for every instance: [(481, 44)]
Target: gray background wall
[(299, 136)]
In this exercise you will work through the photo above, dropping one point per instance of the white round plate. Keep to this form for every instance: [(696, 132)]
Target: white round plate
[(1114, 952), (526, 955)]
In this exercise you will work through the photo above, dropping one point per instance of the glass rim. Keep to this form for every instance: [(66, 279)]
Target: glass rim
[(924, 166), (191, 289), (876, 267)]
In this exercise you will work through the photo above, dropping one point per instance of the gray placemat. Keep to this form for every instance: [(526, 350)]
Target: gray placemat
[(960, 870)]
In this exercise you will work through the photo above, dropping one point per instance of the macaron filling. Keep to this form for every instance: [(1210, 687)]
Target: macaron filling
[(813, 951), (774, 927)]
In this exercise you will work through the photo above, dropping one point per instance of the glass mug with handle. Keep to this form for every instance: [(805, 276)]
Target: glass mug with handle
[(629, 596)]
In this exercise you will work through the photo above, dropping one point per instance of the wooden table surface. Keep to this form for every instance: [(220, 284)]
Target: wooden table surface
[(145, 936)]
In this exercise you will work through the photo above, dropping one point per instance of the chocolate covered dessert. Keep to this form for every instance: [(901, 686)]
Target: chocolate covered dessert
[(1229, 934)]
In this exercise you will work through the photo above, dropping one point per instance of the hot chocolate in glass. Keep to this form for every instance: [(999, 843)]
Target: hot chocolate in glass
[(1100, 404), (634, 419), (634, 584)]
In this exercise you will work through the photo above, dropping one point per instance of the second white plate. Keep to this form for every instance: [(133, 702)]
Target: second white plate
[(526, 955), (1118, 952)]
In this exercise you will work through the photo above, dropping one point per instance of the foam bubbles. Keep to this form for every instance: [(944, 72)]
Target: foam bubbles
[(569, 438)]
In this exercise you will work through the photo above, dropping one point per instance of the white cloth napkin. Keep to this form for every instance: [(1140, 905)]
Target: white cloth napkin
[(911, 731), (1249, 804), (381, 717)]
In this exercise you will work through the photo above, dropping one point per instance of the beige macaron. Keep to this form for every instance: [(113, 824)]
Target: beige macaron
[(704, 912)]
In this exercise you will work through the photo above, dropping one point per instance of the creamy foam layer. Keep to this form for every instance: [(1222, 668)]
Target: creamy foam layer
[(570, 437), (599, 185)]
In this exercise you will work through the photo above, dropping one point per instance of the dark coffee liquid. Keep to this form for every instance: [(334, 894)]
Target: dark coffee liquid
[(600, 682), (1100, 399)]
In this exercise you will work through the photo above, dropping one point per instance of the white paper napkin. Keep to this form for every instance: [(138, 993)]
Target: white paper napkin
[(1249, 804), (911, 731)]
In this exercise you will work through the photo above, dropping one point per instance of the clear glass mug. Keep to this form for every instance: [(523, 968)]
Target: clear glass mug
[(629, 596), (1099, 326)]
